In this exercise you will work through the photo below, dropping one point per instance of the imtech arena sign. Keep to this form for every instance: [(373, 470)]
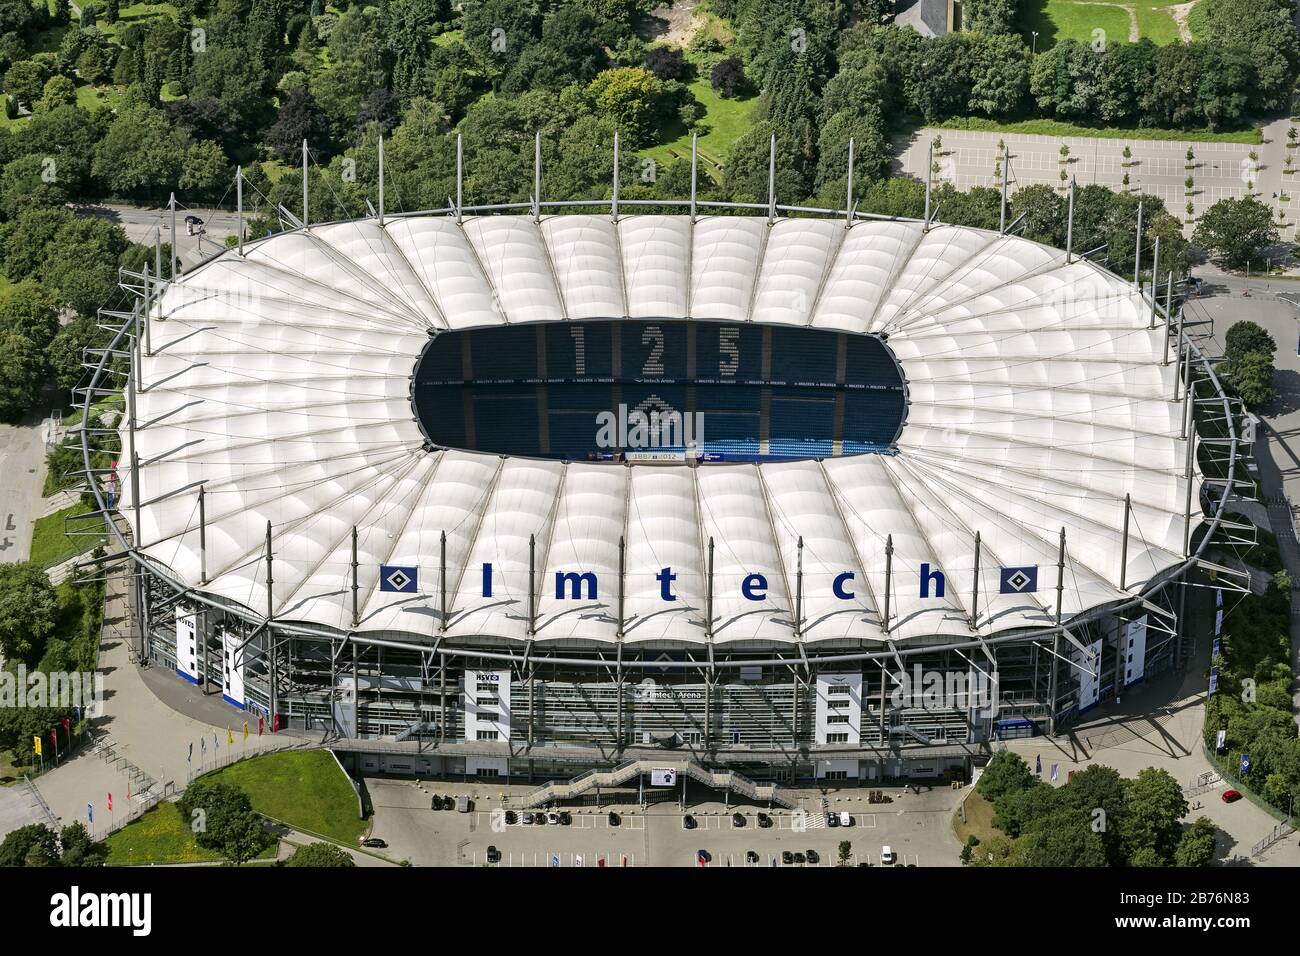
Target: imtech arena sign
[(585, 585)]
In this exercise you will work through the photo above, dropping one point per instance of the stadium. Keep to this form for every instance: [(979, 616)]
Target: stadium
[(524, 491)]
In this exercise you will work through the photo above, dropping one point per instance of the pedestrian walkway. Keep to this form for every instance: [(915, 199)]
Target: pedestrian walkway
[(144, 732)]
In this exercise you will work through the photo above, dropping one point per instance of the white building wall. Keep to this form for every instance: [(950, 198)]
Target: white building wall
[(486, 695), (839, 696)]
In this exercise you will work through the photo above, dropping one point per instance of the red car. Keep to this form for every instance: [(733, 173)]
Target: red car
[(1230, 796)]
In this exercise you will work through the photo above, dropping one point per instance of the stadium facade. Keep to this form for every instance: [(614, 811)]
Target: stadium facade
[(800, 493)]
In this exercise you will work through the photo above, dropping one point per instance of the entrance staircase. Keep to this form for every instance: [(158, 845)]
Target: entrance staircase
[(624, 773)]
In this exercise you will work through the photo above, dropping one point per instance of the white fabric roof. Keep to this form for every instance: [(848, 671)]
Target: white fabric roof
[(280, 382)]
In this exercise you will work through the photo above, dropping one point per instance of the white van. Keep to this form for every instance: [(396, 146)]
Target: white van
[(887, 857), (846, 819)]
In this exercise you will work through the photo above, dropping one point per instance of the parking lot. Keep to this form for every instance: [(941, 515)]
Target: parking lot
[(916, 827)]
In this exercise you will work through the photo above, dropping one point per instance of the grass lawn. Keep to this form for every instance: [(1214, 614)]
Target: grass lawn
[(724, 121), (10, 772), (304, 788), (1056, 20), (1045, 127), (979, 820), (92, 98), (50, 546), (161, 836), (135, 13)]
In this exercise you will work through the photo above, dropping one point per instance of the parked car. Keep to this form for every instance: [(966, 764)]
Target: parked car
[(764, 821), (813, 857), (374, 843), (435, 802), (800, 859), (539, 819), (493, 855), (751, 856), (846, 818), (737, 819), (511, 818), (614, 819), (832, 819), (566, 818), (688, 822), (787, 857), (528, 818), (887, 856), (553, 818), (193, 224), (1230, 796), (704, 856)]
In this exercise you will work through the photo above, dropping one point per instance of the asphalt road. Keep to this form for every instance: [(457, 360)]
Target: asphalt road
[(141, 224), (1220, 170), (22, 473)]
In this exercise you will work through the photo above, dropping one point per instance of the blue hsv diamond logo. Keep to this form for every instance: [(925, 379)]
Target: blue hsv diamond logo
[(401, 580), (1020, 580)]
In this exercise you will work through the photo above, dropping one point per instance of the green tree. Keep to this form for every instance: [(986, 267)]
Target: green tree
[(78, 849), (1154, 805), (1044, 212), (28, 606), (223, 820), (205, 171), (320, 855), (25, 80), (58, 91), (1236, 230), (1006, 773), (629, 96), (18, 844), (1196, 845), (1251, 378), (29, 309), (1245, 336), (746, 175), (22, 369), (140, 154)]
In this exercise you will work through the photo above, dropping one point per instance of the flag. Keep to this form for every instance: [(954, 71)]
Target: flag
[(275, 724), (215, 744), (189, 757), (1022, 580), (110, 803), (203, 745), (1038, 765), (600, 861), (624, 860), (76, 711), (54, 740), (555, 859), (577, 860), (67, 726), (398, 578), (1245, 764), (261, 726), (245, 730), (230, 735), (128, 791), (1055, 767), (90, 814), (36, 745)]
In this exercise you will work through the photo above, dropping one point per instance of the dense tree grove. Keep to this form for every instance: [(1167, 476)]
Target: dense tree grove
[(1098, 818), (136, 109)]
